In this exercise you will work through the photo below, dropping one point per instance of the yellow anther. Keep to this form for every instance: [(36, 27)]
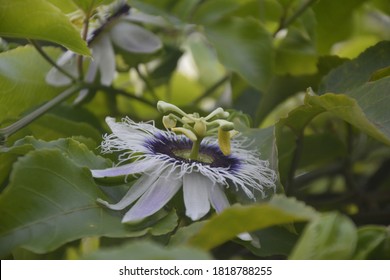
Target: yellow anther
[(224, 141)]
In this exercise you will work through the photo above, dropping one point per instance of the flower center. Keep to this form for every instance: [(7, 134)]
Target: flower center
[(180, 148)]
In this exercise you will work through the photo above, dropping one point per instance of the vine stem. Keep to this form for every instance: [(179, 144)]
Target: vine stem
[(147, 83), (285, 22), (16, 126), (122, 92), (84, 36), (51, 61)]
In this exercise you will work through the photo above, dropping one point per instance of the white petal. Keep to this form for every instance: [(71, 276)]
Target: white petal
[(89, 78), (134, 38), (154, 198), (138, 189), (218, 198), (132, 168), (196, 195), (67, 61), (104, 56)]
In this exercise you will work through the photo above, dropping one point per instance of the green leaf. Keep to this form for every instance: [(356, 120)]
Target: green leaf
[(331, 236), (212, 11), (285, 86), (184, 234), (88, 5), (146, 250), (370, 238), (170, 9), (76, 151), (244, 46), (22, 81), (50, 127), (39, 19), (296, 53), (51, 200), (274, 241), (238, 219), (334, 23), (371, 117), (379, 74), (65, 6), (357, 72)]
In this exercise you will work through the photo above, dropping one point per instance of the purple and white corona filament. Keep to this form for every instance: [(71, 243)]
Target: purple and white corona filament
[(194, 160)]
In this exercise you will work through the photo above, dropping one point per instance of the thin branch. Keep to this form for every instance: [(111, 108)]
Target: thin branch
[(84, 36), (331, 170), (211, 89), (285, 22), (16, 126), (51, 61), (111, 89), (147, 83)]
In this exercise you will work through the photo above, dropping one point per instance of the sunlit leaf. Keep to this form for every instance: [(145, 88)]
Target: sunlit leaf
[(88, 5), (39, 19), (22, 81), (331, 236), (238, 219)]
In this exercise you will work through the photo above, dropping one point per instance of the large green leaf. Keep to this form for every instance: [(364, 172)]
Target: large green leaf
[(50, 127), (370, 115), (244, 46), (357, 72), (22, 81), (238, 219), (88, 5), (144, 250), (39, 19), (51, 200), (332, 236), (212, 11)]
